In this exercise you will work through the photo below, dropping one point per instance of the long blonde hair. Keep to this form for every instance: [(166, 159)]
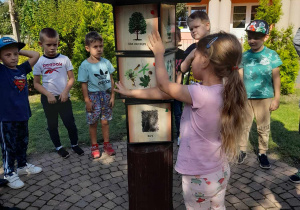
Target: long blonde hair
[(225, 54)]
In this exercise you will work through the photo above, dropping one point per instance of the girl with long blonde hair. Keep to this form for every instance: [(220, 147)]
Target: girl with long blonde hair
[(211, 122)]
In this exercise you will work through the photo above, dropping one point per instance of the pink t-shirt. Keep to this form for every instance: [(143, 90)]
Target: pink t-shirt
[(200, 140)]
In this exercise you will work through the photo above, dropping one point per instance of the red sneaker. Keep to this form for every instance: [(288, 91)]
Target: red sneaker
[(95, 151), (108, 149)]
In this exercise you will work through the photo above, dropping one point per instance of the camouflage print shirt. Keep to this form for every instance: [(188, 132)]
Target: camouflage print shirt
[(258, 68)]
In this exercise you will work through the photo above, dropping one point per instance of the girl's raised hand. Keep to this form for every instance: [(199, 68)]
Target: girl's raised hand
[(155, 43), (121, 89)]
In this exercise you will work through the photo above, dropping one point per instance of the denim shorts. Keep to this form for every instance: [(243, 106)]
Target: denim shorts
[(101, 108)]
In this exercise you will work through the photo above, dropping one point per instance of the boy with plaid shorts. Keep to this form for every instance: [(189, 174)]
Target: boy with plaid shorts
[(98, 91)]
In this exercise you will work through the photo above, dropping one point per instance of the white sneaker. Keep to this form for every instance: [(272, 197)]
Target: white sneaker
[(14, 181), (29, 169)]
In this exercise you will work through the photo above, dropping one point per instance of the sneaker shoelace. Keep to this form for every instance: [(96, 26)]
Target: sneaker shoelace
[(29, 165), (93, 148), (13, 178)]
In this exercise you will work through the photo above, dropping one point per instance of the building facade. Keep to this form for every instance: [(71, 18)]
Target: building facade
[(234, 15)]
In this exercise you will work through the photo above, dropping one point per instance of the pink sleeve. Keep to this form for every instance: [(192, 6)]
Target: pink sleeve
[(197, 94)]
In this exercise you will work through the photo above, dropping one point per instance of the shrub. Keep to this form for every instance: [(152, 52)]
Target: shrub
[(92, 20), (72, 19)]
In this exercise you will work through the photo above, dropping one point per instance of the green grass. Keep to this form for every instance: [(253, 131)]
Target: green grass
[(39, 140), (284, 139)]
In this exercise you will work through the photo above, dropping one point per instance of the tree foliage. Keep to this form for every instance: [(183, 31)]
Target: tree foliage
[(72, 19), (270, 12), (5, 25), (137, 24), (282, 43), (181, 11), (92, 19)]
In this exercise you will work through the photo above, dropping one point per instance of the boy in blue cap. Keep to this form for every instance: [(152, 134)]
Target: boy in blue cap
[(15, 110), (260, 72)]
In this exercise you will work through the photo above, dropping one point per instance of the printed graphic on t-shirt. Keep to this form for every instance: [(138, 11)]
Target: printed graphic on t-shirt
[(178, 63), (102, 77), (192, 79), (52, 67), (20, 82), (258, 69), (50, 70)]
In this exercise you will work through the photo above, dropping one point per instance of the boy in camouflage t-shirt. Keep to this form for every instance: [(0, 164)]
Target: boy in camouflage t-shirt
[(260, 72)]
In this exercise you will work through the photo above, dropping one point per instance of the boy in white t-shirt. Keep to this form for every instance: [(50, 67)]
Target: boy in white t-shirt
[(55, 70)]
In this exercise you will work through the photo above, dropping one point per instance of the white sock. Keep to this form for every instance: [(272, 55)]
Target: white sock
[(58, 148)]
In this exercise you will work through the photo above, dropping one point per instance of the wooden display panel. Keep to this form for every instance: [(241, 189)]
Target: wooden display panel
[(139, 72), (167, 14), (149, 123), (133, 24)]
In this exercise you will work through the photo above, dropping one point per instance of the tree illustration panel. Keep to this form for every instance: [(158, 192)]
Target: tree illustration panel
[(139, 72), (149, 122), (168, 22), (133, 25)]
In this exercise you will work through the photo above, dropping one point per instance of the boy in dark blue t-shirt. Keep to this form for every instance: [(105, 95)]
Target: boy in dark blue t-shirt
[(15, 110)]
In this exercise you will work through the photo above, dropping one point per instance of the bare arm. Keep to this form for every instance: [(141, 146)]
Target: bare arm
[(65, 94), (150, 93), (185, 65), (37, 85), (241, 72), (112, 95), (179, 76), (276, 84), (32, 55), (176, 91), (88, 103)]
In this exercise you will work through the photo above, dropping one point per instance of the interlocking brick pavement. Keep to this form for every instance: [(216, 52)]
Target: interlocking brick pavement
[(84, 183)]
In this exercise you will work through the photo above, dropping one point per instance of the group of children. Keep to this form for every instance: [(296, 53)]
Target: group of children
[(235, 87), (57, 75)]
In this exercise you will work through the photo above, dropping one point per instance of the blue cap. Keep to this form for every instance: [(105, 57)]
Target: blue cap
[(258, 26), (5, 41)]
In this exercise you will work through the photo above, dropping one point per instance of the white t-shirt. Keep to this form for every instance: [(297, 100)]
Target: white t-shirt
[(54, 72)]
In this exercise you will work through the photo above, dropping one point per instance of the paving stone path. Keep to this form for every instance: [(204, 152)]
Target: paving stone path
[(83, 183)]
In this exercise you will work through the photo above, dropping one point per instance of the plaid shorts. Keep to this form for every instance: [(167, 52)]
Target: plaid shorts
[(101, 108)]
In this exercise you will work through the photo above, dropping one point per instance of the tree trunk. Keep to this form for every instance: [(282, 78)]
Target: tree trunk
[(14, 20)]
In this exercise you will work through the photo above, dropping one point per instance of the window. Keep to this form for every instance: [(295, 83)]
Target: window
[(239, 16), (194, 9), (253, 12), (182, 21), (182, 24)]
